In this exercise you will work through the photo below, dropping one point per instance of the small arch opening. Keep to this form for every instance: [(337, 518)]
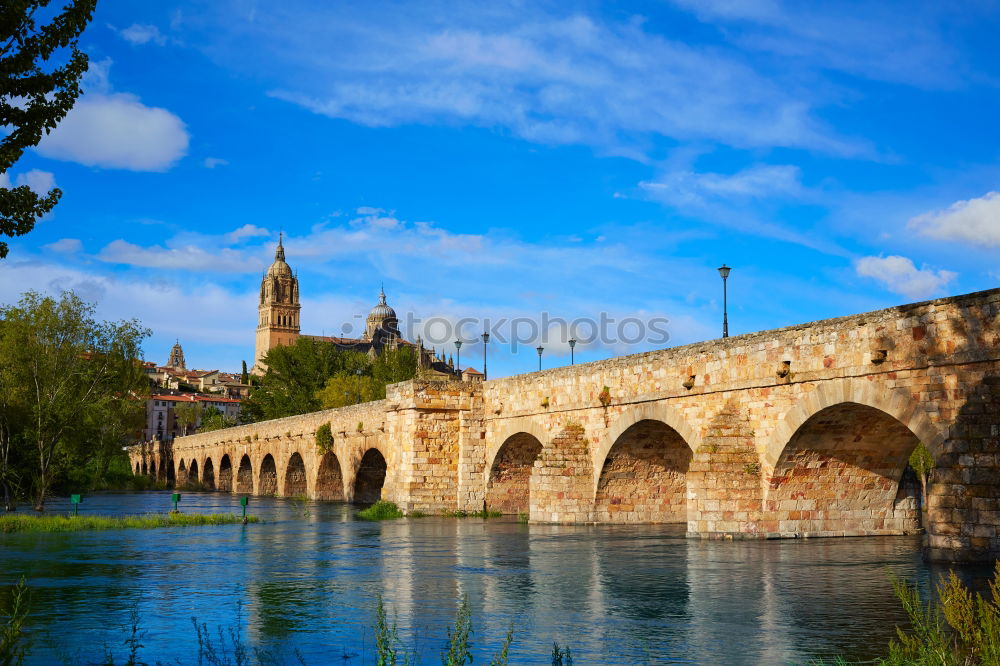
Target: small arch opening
[(371, 477), (244, 476), (268, 476), (208, 475), (226, 474), (295, 476), (329, 480)]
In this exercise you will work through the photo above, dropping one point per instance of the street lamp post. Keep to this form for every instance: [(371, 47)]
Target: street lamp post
[(357, 372), (572, 346), (458, 349), (539, 349), (486, 338), (724, 272)]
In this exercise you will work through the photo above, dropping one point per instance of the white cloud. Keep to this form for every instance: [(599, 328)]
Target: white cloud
[(40, 182), (212, 162), (115, 130), (188, 257), (246, 231), (899, 275), (688, 188), (550, 79), (141, 33), (973, 221), (65, 246)]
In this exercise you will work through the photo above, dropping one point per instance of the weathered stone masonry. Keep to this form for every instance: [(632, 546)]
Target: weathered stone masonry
[(802, 431)]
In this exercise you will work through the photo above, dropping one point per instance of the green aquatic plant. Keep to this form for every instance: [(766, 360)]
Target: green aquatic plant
[(381, 510), (486, 512), (10, 523)]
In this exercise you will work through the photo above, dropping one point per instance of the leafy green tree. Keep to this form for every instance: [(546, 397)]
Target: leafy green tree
[(64, 368), (40, 72), (294, 375), (922, 463), (188, 415), (244, 376), (214, 419)]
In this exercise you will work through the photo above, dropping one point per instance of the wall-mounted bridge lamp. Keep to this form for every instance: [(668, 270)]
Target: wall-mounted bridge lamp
[(458, 352), (724, 272), (539, 349)]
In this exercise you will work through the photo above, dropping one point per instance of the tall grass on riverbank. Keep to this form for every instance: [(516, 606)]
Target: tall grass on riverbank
[(958, 628), (24, 522)]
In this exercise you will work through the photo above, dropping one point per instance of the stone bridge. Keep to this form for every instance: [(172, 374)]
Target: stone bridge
[(800, 431)]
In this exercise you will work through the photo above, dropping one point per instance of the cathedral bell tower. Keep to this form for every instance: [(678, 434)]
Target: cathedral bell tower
[(278, 312)]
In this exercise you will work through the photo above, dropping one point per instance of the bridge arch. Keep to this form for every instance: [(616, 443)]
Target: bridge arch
[(244, 476), (508, 480), (844, 472), (643, 477), (226, 474), (208, 474), (329, 478), (898, 403), (268, 482), (192, 474), (295, 475), (370, 477), (181, 472), (651, 411)]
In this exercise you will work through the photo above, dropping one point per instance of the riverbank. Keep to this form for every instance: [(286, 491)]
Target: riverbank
[(27, 522)]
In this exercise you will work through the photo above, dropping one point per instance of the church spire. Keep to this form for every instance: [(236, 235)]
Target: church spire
[(279, 253)]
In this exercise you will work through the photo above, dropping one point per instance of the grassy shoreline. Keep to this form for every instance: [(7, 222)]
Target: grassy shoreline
[(25, 522)]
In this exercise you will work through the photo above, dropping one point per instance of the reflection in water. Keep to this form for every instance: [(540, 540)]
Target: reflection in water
[(306, 579)]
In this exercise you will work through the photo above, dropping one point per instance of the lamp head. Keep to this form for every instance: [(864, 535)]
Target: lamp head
[(539, 349), (572, 343), (458, 344), (724, 271), (486, 337)]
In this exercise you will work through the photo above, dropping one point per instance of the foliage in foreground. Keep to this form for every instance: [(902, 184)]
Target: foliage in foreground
[(958, 628), (381, 510), (13, 644), (72, 394), (40, 72), (15, 522)]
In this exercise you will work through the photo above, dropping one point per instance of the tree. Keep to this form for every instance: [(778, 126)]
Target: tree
[(214, 419), (188, 415), (62, 366), (922, 463), (244, 376), (35, 96), (295, 373)]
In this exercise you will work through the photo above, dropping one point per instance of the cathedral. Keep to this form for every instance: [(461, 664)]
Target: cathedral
[(278, 322)]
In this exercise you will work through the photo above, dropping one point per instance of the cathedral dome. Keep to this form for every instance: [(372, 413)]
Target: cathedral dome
[(382, 310), (279, 268)]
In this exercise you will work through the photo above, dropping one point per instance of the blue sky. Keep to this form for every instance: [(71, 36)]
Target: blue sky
[(503, 160)]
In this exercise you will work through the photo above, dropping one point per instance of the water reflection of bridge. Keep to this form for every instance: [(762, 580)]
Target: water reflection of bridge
[(803, 431)]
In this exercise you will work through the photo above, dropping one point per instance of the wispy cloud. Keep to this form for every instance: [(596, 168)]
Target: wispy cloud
[(185, 258), (65, 246), (689, 188), (142, 33), (555, 79)]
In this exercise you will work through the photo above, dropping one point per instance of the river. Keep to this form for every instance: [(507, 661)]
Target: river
[(304, 582)]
